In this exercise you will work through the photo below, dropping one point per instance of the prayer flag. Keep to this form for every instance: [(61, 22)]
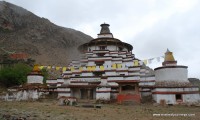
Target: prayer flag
[(101, 67), (114, 66), (136, 63), (64, 69)]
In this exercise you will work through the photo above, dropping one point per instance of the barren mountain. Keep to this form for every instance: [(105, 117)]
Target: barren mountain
[(23, 32)]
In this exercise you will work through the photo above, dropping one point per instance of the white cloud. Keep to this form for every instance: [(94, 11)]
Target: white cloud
[(151, 26)]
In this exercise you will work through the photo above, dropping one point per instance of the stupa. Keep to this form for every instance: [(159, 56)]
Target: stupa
[(107, 70)]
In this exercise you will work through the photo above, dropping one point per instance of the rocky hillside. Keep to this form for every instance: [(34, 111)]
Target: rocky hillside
[(23, 32)]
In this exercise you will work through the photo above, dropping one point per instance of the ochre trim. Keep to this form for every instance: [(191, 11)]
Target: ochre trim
[(185, 92)]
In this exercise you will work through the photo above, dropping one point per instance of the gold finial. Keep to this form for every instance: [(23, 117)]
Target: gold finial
[(36, 68), (169, 56)]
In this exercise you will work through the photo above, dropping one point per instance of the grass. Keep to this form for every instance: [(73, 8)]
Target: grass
[(49, 110)]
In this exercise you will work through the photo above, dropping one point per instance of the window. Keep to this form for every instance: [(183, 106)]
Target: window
[(99, 63), (122, 74), (100, 54), (102, 47), (99, 73), (178, 97), (128, 88), (120, 48)]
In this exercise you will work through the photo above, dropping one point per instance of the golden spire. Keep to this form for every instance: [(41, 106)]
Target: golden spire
[(169, 56), (36, 68), (169, 59)]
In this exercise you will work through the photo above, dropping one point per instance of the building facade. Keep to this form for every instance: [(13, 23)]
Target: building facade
[(107, 70), (172, 85)]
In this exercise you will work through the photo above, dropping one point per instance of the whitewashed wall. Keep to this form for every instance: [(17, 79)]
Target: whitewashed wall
[(120, 73), (191, 98), (143, 94), (172, 74), (63, 89), (111, 47), (87, 74), (92, 48), (176, 89), (64, 94), (35, 79), (103, 95), (105, 36), (110, 73), (109, 63), (147, 83), (51, 81), (169, 98), (91, 63)]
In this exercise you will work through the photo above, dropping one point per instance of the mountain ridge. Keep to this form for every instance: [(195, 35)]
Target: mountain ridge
[(23, 32)]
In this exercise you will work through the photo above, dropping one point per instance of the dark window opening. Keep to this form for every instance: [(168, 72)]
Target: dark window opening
[(77, 75), (120, 48), (102, 47), (89, 49), (122, 74), (100, 54), (99, 63), (128, 88), (98, 73), (178, 97)]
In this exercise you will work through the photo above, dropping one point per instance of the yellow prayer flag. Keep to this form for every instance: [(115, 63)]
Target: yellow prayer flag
[(136, 63), (93, 68), (64, 69), (48, 67), (89, 68), (57, 68), (41, 67), (80, 69), (72, 68), (145, 62), (101, 67), (114, 66), (119, 65)]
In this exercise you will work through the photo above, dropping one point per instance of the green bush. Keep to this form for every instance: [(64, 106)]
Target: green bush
[(45, 74), (16, 75)]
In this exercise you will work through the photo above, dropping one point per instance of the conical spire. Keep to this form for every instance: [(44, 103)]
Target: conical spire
[(169, 59), (36, 68), (169, 56), (105, 31), (104, 28)]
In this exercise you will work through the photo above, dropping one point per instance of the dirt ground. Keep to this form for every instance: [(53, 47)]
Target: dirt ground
[(49, 110)]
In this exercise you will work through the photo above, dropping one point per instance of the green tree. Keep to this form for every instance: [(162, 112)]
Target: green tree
[(45, 74), (16, 75)]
